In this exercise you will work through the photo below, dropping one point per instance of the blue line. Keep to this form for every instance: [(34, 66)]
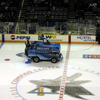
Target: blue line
[(1, 44)]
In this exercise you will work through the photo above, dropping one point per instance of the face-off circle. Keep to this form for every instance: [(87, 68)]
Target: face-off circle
[(7, 59)]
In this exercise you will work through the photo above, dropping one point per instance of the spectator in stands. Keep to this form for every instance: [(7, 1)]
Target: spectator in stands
[(9, 8)]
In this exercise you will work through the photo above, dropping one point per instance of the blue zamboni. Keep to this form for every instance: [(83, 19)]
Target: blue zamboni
[(43, 50)]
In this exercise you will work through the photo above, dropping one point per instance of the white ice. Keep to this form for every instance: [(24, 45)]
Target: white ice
[(9, 70)]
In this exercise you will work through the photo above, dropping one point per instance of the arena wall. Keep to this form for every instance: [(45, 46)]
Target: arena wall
[(81, 39)]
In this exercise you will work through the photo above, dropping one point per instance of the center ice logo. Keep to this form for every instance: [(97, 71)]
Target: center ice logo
[(73, 87), (47, 86)]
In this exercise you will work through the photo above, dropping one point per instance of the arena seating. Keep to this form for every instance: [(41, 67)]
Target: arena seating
[(9, 10)]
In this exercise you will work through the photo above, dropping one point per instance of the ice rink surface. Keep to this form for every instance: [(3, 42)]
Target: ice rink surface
[(20, 81)]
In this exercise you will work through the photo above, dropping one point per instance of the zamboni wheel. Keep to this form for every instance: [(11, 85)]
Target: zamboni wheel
[(36, 59), (54, 60)]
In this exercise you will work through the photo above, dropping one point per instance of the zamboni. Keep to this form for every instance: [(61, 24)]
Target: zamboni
[(43, 50)]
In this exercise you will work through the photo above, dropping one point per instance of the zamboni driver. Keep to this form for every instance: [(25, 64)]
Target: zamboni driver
[(27, 43), (43, 38)]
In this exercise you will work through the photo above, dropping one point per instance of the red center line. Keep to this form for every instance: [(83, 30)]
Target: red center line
[(64, 76)]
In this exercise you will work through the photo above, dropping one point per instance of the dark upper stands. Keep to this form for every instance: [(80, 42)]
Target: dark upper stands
[(9, 10), (43, 11)]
